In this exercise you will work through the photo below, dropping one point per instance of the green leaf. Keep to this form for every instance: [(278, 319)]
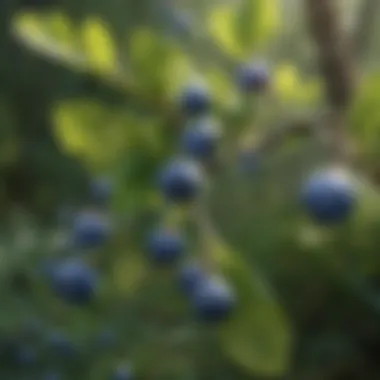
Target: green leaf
[(255, 22), (51, 35), (221, 27), (258, 337), (85, 127), (99, 46), (159, 65)]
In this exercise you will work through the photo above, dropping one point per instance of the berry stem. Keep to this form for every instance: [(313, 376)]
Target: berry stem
[(337, 68)]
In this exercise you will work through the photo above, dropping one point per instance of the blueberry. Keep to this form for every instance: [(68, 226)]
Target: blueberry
[(213, 300), (122, 372), (90, 230), (26, 355), (181, 181), (195, 100), (190, 275), (107, 338), (201, 137), (101, 190), (329, 196), (253, 77), (53, 376), (165, 246), (249, 162), (74, 281), (60, 344)]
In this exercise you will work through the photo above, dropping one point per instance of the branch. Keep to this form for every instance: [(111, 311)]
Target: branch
[(335, 61), (337, 68), (362, 33)]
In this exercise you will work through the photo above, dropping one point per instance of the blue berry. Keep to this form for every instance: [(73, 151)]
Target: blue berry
[(123, 372), (329, 196), (213, 300), (90, 230), (181, 181), (201, 138), (101, 190), (165, 246), (26, 356), (74, 281), (195, 100), (107, 338), (190, 276), (253, 77), (249, 162), (53, 376), (60, 344)]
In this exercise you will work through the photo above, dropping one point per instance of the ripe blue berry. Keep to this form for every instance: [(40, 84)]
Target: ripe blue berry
[(107, 338), (213, 300), (90, 230), (249, 162), (101, 190), (181, 181), (60, 344), (53, 376), (123, 372), (166, 246), (74, 281), (329, 196), (190, 276), (26, 355), (201, 137), (195, 100), (253, 77)]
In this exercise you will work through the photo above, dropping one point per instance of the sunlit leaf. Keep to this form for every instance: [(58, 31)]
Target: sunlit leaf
[(99, 46), (255, 21), (258, 337), (128, 273), (91, 131), (50, 35), (221, 27)]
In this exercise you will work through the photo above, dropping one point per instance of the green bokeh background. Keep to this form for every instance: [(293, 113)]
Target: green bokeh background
[(103, 101)]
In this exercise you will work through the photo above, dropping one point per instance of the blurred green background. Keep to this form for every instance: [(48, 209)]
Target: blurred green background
[(89, 88)]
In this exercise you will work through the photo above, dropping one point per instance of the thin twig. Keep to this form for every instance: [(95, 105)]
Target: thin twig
[(366, 20), (336, 66)]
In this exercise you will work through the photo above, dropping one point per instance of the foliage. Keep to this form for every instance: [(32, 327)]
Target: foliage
[(287, 272)]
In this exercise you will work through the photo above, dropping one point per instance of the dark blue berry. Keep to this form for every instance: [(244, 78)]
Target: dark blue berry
[(53, 376), (107, 338), (190, 276), (26, 355), (61, 345), (166, 246), (329, 196), (74, 281), (201, 137), (249, 162), (101, 190), (253, 77), (123, 372), (90, 230), (195, 100), (213, 300), (181, 181)]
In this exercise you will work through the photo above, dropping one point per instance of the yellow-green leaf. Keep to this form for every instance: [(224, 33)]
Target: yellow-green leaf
[(255, 22), (222, 29), (99, 46), (128, 273), (50, 35), (258, 337), (92, 131)]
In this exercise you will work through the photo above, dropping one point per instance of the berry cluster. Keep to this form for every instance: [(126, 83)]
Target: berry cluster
[(328, 197)]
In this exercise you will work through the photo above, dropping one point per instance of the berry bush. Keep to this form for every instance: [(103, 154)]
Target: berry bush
[(191, 191)]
